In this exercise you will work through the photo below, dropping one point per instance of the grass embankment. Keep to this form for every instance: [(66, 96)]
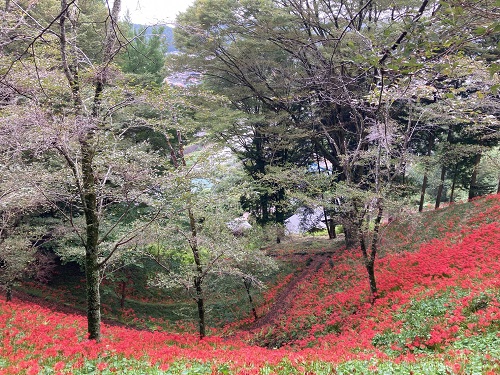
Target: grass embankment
[(438, 313)]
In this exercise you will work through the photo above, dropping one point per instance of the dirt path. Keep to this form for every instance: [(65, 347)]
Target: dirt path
[(285, 298)]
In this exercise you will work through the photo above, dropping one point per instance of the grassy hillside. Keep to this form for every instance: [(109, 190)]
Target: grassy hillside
[(438, 313)]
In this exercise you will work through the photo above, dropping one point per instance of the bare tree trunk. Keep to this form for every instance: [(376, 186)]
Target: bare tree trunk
[(264, 207), (473, 188), (198, 279), (193, 243), (441, 186), (332, 229), (443, 171), (92, 238), (248, 283), (280, 214), (351, 234), (330, 226), (8, 292), (369, 258), (424, 182), (422, 193), (87, 189), (453, 184), (352, 227), (123, 290), (93, 296), (201, 306)]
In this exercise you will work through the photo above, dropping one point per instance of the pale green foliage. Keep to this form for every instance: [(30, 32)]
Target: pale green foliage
[(210, 186), (16, 254), (19, 199)]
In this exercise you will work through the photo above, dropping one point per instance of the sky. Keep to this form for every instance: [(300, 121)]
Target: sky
[(149, 12)]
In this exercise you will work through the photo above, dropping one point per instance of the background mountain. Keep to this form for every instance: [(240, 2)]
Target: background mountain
[(168, 34)]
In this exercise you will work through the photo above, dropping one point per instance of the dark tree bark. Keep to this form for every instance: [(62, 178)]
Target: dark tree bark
[(193, 243), (422, 193), (352, 227), (91, 241), (452, 193), (86, 180), (8, 292), (443, 173), (330, 226), (473, 188), (280, 214), (369, 255), (201, 305), (248, 283), (440, 188), (93, 296), (264, 208), (123, 289), (430, 145), (351, 235)]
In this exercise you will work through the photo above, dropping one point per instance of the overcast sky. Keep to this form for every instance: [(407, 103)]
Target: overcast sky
[(149, 12)]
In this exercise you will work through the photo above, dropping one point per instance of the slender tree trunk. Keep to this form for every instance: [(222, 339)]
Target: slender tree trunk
[(87, 186), (369, 258), (193, 243), (123, 290), (70, 59), (473, 188), (443, 172), (260, 170), (93, 277), (248, 284), (8, 292), (93, 296), (201, 306), (331, 229), (352, 229), (280, 214), (498, 187), (370, 268), (452, 194), (430, 145), (328, 223), (264, 208), (198, 279), (351, 234), (91, 240), (441, 186), (422, 193)]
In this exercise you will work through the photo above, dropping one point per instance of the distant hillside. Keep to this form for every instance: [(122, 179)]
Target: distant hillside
[(169, 34)]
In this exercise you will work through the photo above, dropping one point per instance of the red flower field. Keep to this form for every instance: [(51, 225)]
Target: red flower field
[(438, 312)]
